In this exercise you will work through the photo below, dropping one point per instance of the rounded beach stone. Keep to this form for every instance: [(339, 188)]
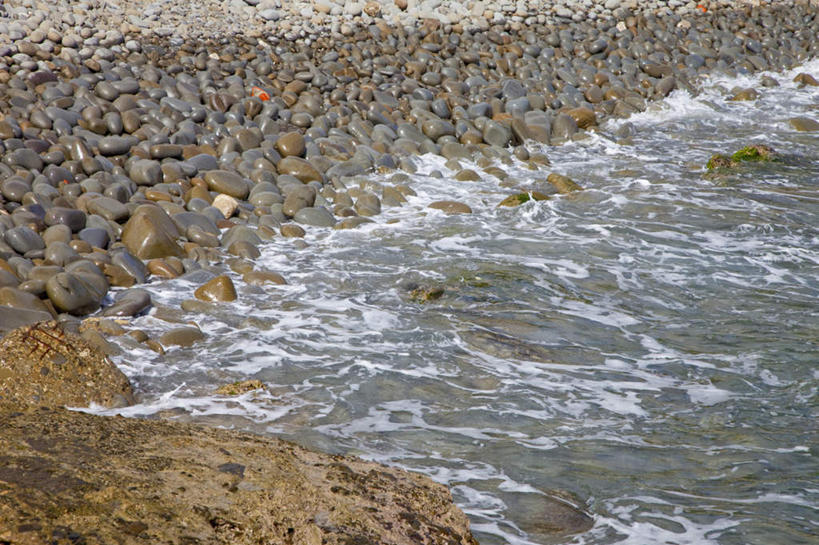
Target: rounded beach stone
[(451, 207), (150, 233), (72, 294), (71, 217), (129, 303), (229, 183), (290, 144), (218, 289), (23, 239), (146, 172), (318, 216), (259, 278), (181, 336)]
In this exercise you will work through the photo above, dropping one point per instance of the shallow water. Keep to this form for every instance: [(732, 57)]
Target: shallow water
[(645, 349)]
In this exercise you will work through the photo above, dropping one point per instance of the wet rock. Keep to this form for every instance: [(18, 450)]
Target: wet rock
[(520, 198), (563, 184), (73, 293), (23, 239), (146, 172), (752, 153), (745, 94), (451, 207), (300, 168), (563, 127), (150, 233), (71, 217), (129, 303), (181, 336), (806, 79), (804, 124), (218, 289), (368, 204), (116, 145), (245, 249), (45, 365), (583, 117), (229, 183), (496, 134), (291, 230), (260, 278), (14, 317), (290, 144), (318, 216), (298, 198), (108, 208), (239, 388)]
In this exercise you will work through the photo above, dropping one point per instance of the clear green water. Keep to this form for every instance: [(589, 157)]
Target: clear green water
[(646, 349)]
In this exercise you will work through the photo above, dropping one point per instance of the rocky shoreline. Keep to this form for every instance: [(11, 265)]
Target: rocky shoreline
[(127, 159), (151, 141)]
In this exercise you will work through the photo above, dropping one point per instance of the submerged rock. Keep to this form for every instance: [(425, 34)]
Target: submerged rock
[(519, 198), (804, 124), (562, 183), (753, 153), (115, 480)]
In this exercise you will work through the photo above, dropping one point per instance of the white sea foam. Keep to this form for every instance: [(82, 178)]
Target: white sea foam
[(579, 344)]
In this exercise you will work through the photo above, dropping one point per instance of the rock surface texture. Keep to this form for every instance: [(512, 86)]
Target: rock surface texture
[(45, 365), (76, 478)]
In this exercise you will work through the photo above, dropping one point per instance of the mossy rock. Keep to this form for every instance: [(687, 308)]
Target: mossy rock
[(753, 153), (519, 198), (240, 387), (719, 160), (425, 294)]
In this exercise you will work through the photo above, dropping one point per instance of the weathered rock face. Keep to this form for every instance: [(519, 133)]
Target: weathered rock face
[(73, 477), (43, 364)]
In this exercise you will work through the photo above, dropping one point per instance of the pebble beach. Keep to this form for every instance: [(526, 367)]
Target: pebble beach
[(150, 142)]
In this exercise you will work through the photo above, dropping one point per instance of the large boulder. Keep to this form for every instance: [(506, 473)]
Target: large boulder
[(151, 233), (78, 478), (44, 364)]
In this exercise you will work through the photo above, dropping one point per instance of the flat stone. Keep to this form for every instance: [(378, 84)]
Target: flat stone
[(14, 317), (229, 183), (451, 207), (318, 216), (116, 145), (804, 124), (562, 183), (108, 208), (71, 217), (181, 336), (242, 486), (300, 168), (260, 278), (23, 239)]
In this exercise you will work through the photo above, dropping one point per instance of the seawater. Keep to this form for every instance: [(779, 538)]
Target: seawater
[(645, 349)]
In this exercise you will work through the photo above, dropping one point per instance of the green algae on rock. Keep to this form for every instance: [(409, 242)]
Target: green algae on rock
[(752, 153), (520, 198)]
